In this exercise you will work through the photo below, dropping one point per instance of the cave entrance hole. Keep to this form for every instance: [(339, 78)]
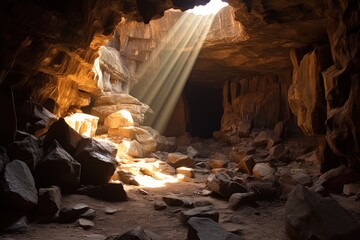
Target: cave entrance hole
[(204, 109)]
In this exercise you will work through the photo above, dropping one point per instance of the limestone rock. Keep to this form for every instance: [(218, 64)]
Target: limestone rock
[(130, 148), (49, 200), (121, 118), (19, 186), (237, 200), (208, 229), (187, 172), (82, 123), (64, 134), (27, 150), (97, 161), (308, 217), (180, 160), (263, 171), (201, 212), (58, 168), (127, 177)]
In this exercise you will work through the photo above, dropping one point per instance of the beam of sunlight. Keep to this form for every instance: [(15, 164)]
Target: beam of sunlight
[(161, 87), (211, 8)]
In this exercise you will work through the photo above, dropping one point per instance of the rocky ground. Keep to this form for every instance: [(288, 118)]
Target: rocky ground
[(243, 187)]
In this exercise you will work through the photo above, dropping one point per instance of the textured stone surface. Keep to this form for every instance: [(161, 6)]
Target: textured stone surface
[(309, 216), (136, 234), (223, 185), (202, 212), (97, 161), (109, 192), (237, 200), (180, 160), (207, 229), (18, 186), (49, 200), (82, 123), (58, 168)]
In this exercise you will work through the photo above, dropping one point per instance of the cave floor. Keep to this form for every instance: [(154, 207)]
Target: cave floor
[(265, 220)]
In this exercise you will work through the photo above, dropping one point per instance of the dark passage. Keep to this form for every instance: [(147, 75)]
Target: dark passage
[(204, 106)]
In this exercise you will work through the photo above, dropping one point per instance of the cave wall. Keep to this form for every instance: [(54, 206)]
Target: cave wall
[(259, 101)]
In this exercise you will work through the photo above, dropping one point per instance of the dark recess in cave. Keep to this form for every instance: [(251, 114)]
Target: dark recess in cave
[(204, 106)]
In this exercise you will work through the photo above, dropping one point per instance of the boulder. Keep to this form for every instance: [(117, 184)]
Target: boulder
[(208, 229), (180, 160), (113, 192), (237, 200), (130, 148), (223, 185), (121, 118), (136, 234), (19, 186), (49, 200), (26, 148), (58, 168), (203, 212), (68, 138), (97, 161), (85, 124), (310, 216)]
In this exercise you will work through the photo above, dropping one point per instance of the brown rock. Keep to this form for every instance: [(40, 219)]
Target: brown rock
[(263, 171), (247, 164), (49, 200), (203, 212), (180, 160), (237, 200), (187, 172)]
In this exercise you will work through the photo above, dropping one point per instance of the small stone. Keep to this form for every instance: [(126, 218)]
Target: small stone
[(239, 199), (351, 189), (206, 212), (261, 139), (191, 152), (300, 176), (85, 223), (110, 211), (263, 171), (187, 172), (158, 206), (136, 234), (20, 225), (49, 200), (177, 202), (177, 160), (216, 163), (277, 151), (205, 192), (127, 178), (69, 215), (202, 165), (142, 191), (208, 229)]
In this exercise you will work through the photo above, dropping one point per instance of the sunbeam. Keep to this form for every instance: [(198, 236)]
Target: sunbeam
[(162, 87)]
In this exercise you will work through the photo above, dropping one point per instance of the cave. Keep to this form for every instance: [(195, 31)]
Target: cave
[(180, 119)]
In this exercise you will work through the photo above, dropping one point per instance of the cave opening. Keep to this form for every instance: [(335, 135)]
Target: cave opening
[(204, 108)]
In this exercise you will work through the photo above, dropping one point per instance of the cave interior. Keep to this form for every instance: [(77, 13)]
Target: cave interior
[(138, 110)]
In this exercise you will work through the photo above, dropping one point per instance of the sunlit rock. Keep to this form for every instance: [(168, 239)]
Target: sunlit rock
[(119, 119), (84, 124)]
